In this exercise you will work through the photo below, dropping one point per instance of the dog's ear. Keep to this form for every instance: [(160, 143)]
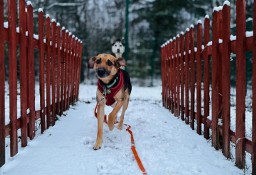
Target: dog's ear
[(91, 62), (120, 62)]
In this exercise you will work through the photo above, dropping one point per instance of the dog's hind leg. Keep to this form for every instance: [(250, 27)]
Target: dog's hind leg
[(100, 117)]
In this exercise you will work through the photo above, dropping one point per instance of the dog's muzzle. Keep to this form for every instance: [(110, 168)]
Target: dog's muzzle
[(118, 50), (102, 72)]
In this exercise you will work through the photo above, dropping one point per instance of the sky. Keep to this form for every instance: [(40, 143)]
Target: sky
[(165, 144)]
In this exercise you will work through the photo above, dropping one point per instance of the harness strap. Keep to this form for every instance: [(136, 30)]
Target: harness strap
[(133, 148)]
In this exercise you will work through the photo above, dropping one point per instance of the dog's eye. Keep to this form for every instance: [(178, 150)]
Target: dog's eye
[(109, 63), (98, 61)]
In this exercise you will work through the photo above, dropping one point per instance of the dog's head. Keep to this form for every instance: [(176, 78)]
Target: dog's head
[(105, 65), (118, 47)]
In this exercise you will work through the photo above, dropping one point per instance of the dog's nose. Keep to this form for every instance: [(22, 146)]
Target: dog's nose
[(118, 50), (101, 72)]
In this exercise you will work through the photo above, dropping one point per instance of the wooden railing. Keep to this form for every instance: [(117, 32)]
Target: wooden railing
[(59, 59), (190, 73)]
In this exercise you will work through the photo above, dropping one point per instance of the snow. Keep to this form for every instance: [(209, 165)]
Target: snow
[(226, 3), (29, 3), (165, 144), (249, 33), (206, 17), (217, 9), (40, 10)]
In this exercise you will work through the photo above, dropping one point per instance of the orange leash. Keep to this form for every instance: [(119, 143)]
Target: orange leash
[(134, 151)]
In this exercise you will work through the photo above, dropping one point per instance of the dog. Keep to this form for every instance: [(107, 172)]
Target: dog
[(114, 89), (118, 48)]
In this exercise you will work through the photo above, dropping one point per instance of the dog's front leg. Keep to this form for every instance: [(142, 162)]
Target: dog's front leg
[(100, 117), (113, 114)]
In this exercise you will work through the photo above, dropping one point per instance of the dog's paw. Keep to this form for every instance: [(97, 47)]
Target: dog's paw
[(111, 121), (97, 145), (120, 126)]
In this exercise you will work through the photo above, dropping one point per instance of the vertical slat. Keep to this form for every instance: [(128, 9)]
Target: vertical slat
[(48, 71), (58, 69), (13, 76), (31, 71), (199, 77), (2, 87), (182, 74), (65, 69), (53, 71), (169, 74), (215, 85), (187, 78), (173, 76), (192, 80), (76, 69), (254, 94), (206, 76), (226, 81), (240, 82), (69, 67), (41, 68), (63, 39), (80, 63), (72, 70), (23, 76), (178, 76)]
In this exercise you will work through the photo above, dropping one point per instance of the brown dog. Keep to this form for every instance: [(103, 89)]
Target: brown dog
[(114, 88)]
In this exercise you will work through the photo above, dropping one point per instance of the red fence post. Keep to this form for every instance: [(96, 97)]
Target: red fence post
[(178, 85), (13, 75), (63, 47), (215, 80), (192, 74), (254, 94), (182, 74), (53, 71), (48, 69), (187, 77), (41, 68), (168, 75), (31, 70), (80, 63), (2, 87), (65, 70), (58, 69), (206, 75), (23, 72), (226, 81), (240, 82), (199, 77)]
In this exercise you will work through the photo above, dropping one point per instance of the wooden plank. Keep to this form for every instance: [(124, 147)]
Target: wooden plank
[(31, 71), (187, 78), (66, 69), (69, 67), (177, 111), (198, 78), (182, 75), (12, 76), (62, 62), (2, 88), (215, 85), (240, 82), (23, 75), (254, 93), (76, 70), (48, 73), (206, 76), (192, 76), (80, 63), (226, 81), (58, 69), (169, 74), (53, 71), (41, 69)]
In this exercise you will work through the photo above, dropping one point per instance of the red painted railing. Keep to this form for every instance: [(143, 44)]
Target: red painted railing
[(186, 68), (60, 55)]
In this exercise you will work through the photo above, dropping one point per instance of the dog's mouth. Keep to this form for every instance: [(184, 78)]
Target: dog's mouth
[(102, 72)]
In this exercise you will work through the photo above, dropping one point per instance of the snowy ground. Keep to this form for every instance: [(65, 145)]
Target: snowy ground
[(164, 143)]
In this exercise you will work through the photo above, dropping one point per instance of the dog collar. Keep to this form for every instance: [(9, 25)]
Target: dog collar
[(111, 89)]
